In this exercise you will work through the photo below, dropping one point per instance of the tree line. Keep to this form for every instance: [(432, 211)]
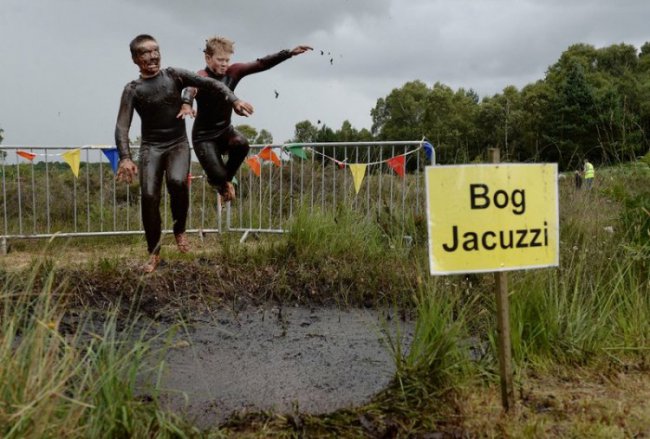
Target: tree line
[(592, 103)]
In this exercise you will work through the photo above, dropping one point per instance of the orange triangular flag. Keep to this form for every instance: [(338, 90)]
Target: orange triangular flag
[(26, 155), (72, 159), (267, 153), (254, 163), (397, 164), (340, 163), (358, 172)]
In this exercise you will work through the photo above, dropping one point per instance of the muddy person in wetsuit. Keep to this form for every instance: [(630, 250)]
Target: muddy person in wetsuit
[(156, 96), (213, 134)]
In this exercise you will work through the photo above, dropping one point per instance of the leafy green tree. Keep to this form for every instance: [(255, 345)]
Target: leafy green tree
[(347, 133), (501, 119), (247, 131), (617, 59), (264, 137), (401, 115), (573, 119), (305, 132), (536, 101)]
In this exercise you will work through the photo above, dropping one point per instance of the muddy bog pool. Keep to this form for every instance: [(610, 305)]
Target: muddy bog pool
[(279, 359)]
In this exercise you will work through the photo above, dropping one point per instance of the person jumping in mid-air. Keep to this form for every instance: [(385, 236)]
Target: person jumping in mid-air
[(156, 96), (213, 134)]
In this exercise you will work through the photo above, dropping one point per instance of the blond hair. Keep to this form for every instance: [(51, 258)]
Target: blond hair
[(218, 44)]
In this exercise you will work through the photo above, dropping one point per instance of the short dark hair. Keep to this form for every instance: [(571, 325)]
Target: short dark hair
[(137, 41)]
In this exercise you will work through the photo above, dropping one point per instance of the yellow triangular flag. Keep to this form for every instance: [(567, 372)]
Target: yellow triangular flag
[(358, 172), (72, 159)]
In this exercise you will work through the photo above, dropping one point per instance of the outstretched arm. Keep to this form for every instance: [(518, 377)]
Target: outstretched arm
[(239, 70), (191, 79)]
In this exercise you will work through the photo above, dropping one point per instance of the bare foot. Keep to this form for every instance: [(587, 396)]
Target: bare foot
[(182, 243), (227, 192), (152, 264)]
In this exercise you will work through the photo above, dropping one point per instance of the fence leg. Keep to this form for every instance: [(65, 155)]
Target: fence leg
[(244, 236), (3, 246)]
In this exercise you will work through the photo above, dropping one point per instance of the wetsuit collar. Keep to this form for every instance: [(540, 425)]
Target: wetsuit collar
[(150, 76), (212, 74)]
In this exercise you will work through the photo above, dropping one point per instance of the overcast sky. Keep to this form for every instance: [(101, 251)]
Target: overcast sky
[(64, 63)]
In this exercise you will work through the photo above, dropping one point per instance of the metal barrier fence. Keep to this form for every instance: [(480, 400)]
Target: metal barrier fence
[(42, 197)]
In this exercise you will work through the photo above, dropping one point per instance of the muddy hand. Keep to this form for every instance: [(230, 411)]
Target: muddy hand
[(186, 110), (242, 108), (126, 171), (300, 49)]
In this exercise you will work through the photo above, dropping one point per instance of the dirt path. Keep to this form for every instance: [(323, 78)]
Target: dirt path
[(270, 359)]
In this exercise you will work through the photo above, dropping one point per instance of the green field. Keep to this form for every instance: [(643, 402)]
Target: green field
[(580, 332)]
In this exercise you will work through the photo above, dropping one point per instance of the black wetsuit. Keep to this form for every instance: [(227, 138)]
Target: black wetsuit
[(164, 148), (213, 133)]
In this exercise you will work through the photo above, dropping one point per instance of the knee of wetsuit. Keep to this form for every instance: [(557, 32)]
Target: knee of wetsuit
[(240, 144), (177, 183), (150, 195)]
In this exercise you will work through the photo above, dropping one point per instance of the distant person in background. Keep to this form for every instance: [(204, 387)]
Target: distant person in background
[(156, 96), (213, 134), (578, 179), (588, 174)]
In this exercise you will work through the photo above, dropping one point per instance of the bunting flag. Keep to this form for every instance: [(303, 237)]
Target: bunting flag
[(358, 172), (397, 164), (27, 155), (297, 151), (254, 163), (72, 159), (267, 154), (189, 179), (113, 157), (428, 149)]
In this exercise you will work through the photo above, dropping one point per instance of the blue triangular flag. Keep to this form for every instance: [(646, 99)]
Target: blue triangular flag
[(428, 149), (112, 156)]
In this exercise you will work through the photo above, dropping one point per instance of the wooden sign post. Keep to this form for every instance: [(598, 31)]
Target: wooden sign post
[(503, 325)]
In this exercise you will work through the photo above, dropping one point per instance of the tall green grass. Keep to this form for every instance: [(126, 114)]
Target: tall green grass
[(593, 310), (79, 381), (593, 307)]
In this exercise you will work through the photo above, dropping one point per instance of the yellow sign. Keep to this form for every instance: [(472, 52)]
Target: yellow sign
[(494, 217)]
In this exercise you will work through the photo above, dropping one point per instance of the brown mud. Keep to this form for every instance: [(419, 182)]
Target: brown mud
[(284, 360), (252, 340)]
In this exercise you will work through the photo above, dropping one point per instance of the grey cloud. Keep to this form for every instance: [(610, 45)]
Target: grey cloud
[(65, 63)]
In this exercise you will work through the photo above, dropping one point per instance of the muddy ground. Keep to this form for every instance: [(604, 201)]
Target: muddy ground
[(315, 360), (251, 340)]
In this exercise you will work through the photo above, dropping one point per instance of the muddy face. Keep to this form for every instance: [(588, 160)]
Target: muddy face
[(147, 58)]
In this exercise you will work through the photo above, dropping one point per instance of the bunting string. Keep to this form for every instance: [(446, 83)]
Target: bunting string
[(396, 163), (28, 154), (368, 163)]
